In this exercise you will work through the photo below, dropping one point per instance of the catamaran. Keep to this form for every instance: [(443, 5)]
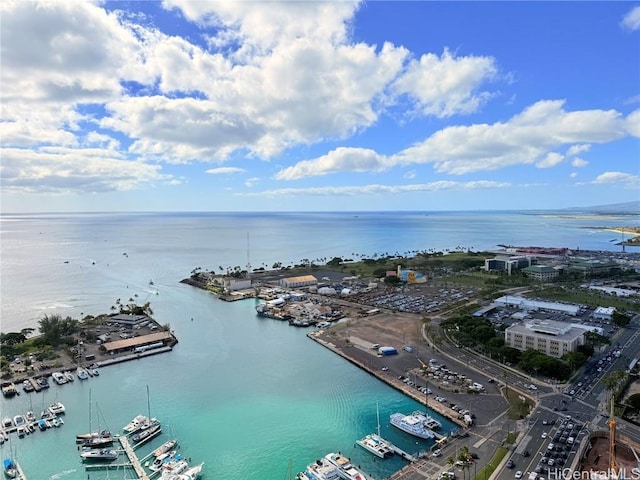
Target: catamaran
[(375, 444)]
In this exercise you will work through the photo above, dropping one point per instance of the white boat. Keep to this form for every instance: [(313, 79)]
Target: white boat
[(82, 373), (413, 424), (321, 469), (345, 469), (375, 444), (136, 423), (191, 473), (69, 376), (176, 466), (57, 408), (19, 421), (161, 460), (99, 454), (59, 378), (30, 416)]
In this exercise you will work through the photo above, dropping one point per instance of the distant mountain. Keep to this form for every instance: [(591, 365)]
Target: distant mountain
[(619, 208)]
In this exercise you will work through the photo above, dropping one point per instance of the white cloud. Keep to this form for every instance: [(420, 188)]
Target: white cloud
[(576, 149), (444, 86), (579, 162), (573, 174), (633, 123), (618, 178), (631, 20), (340, 159), (64, 170), (250, 182), (380, 189), (526, 138), (411, 174), (224, 170), (550, 160)]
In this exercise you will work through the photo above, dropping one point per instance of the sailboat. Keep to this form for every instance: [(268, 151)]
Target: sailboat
[(375, 444), (10, 465), (97, 439)]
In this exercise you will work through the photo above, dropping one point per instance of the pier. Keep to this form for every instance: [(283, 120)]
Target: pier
[(398, 451), (133, 458)]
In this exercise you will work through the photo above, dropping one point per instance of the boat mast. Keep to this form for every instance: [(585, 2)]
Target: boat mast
[(378, 415), (148, 404)]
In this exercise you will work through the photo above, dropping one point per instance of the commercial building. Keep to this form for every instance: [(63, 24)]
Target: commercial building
[(604, 313), (588, 266), (542, 273), (507, 263), (301, 281), (534, 305), (546, 336)]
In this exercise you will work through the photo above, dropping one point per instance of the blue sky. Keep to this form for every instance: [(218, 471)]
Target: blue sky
[(315, 106)]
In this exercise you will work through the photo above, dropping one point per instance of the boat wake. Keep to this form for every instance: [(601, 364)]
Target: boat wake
[(63, 474)]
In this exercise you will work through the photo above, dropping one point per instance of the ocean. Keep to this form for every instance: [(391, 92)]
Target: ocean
[(251, 397)]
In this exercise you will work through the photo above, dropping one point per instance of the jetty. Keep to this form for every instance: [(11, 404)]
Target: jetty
[(398, 451), (133, 458)]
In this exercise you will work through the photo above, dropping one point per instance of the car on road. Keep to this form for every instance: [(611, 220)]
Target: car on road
[(510, 464), (518, 474), (544, 435), (437, 453)]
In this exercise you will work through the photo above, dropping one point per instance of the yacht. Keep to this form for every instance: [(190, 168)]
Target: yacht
[(57, 408), (19, 421), (27, 386), (99, 454), (10, 468), (413, 424), (95, 439), (82, 373), (153, 429), (59, 378), (345, 469), (190, 474), (321, 469), (178, 465), (377, 445), (69, 376), (136, 423)]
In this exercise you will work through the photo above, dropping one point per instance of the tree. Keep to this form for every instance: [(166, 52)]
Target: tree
[(56, 330), (620, 319)]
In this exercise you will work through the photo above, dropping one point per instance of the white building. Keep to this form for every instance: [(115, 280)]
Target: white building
[(604, 313), (534, 305), (546, 336)]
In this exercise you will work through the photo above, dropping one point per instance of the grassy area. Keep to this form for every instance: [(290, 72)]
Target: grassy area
[(586, 297), (485, 472), (519, 405)]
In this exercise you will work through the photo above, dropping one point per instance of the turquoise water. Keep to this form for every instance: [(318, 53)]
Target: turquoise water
[(243, 394)]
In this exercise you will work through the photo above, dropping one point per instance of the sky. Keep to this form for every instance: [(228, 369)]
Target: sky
[(182, 105)]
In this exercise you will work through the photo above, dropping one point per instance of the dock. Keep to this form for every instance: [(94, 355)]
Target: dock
[(398, 451), (133, 458), (21, 475)]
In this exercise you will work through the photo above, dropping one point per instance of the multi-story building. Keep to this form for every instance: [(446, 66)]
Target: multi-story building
[(507, 263), (546, 336), (543, 273)]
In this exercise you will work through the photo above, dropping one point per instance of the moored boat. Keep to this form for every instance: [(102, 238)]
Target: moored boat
[(377, 445), (57, 408), (100, 454), (69, 376), (153, 429), (413, 424), (82, 373), (191, 473), (10, 468), (165, 447), (136, 423), (59, 378), (346, 470), (321, 469)]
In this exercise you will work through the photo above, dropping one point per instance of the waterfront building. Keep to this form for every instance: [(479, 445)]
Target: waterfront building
[(547, 336), (300, 281), (507, 263), (232, 284), (543, 273)]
